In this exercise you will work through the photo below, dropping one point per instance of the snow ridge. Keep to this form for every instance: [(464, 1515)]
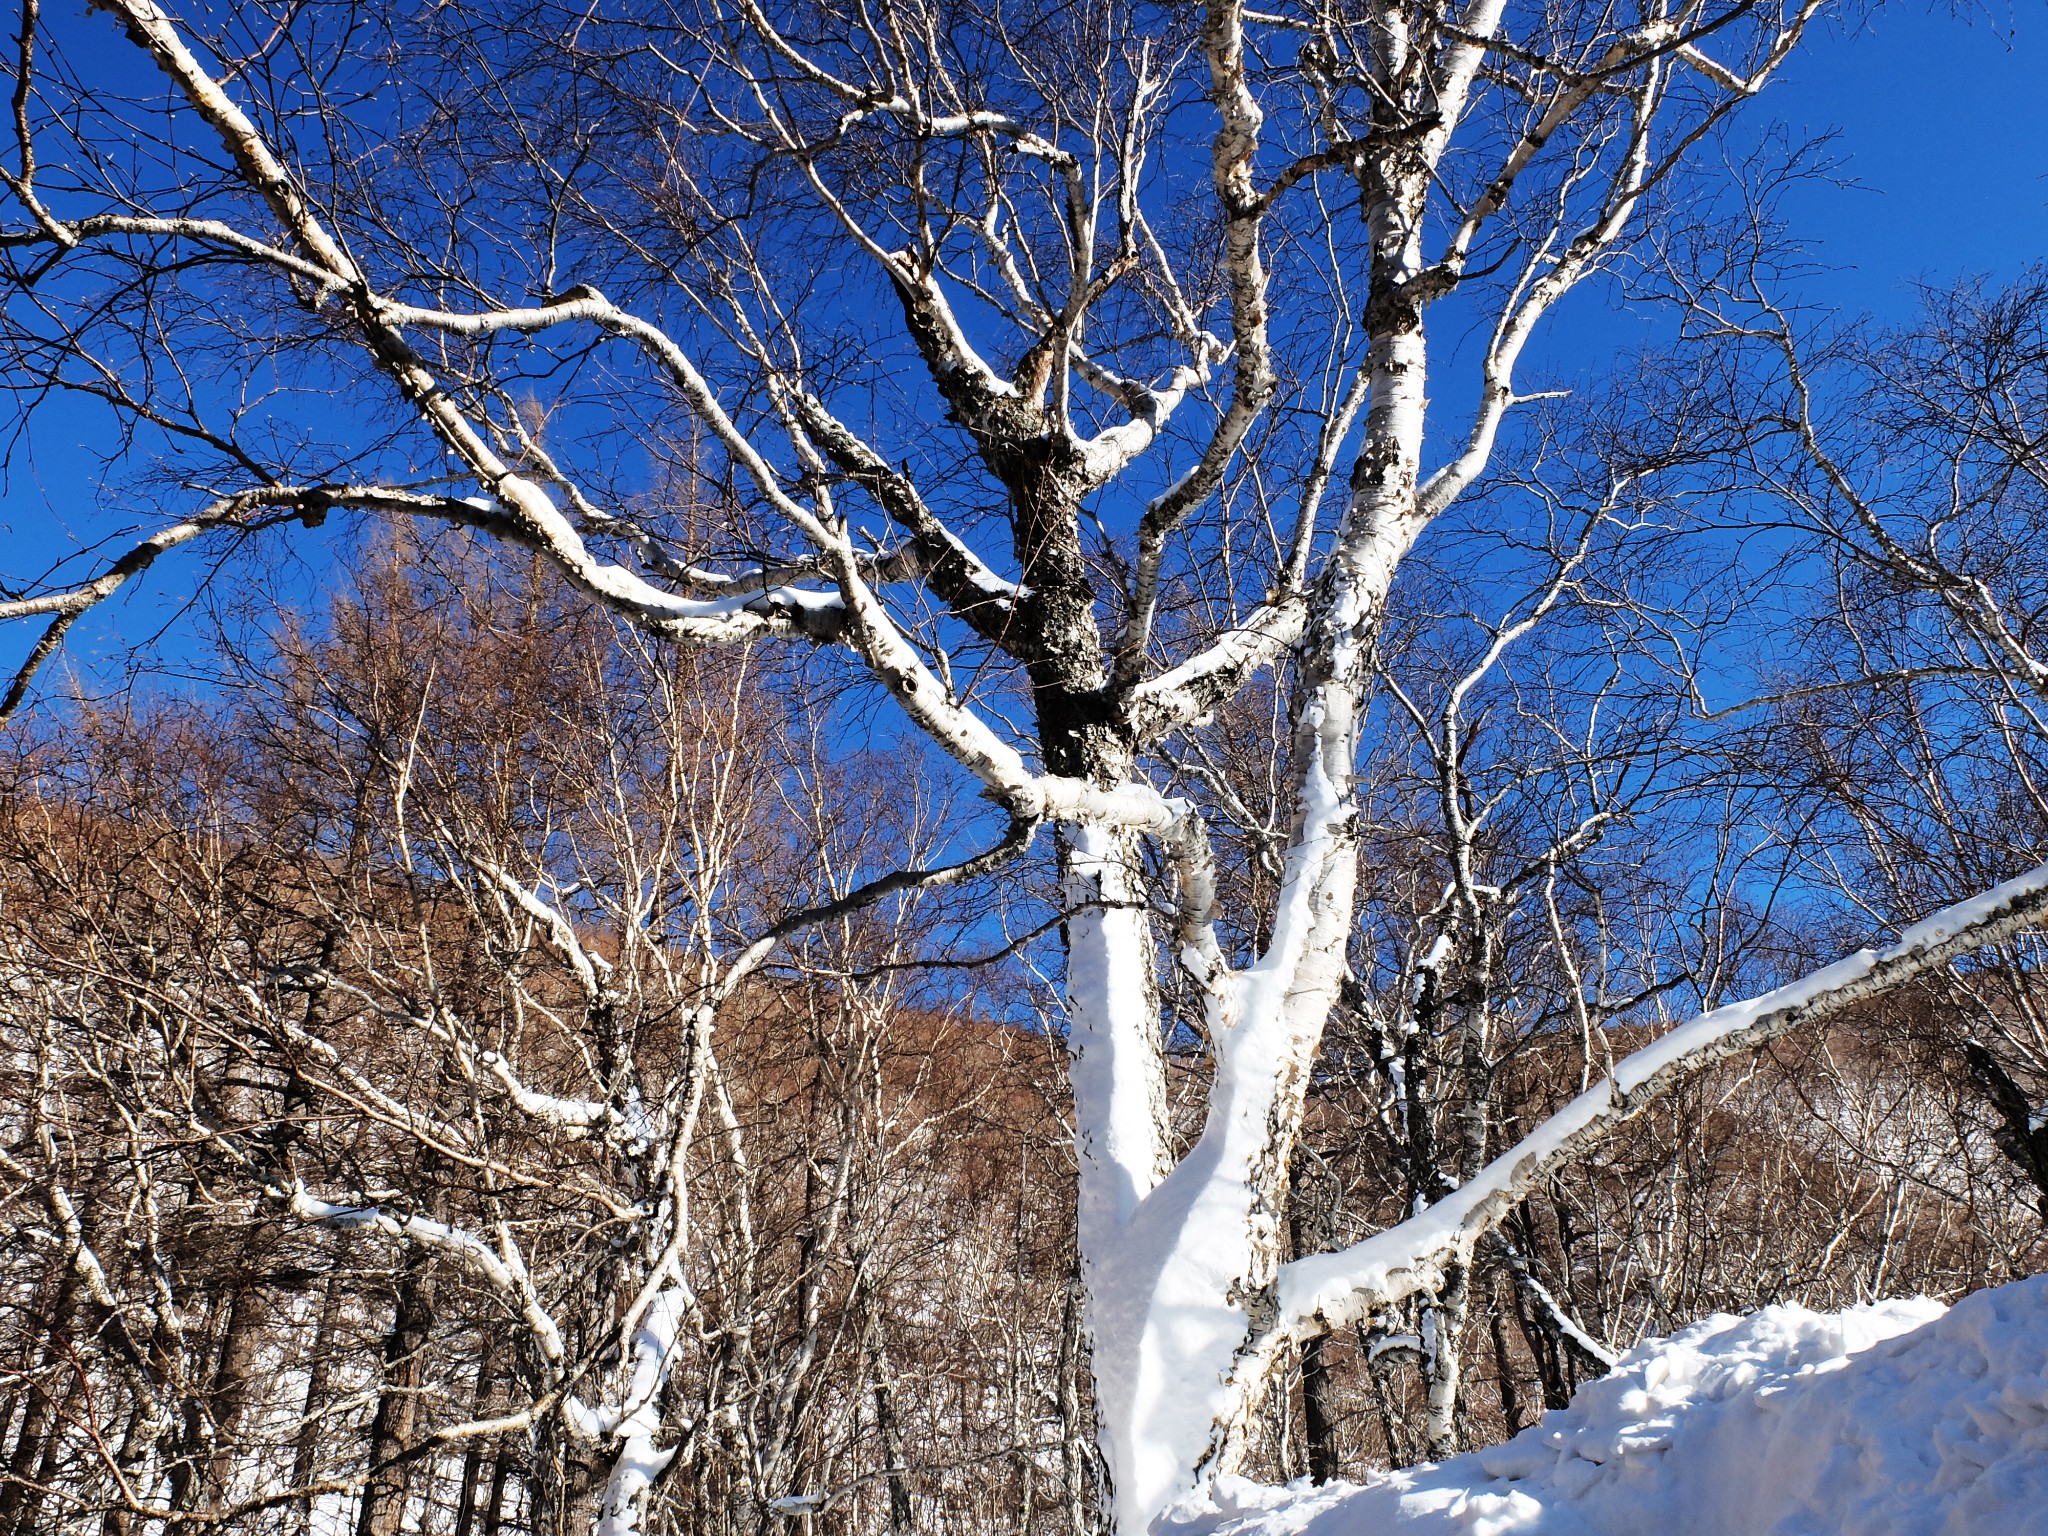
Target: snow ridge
[(1899, 1418)]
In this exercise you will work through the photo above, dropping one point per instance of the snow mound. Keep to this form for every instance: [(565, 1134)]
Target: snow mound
[(1901, 1418)]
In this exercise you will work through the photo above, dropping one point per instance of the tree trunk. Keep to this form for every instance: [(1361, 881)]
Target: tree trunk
[(382, 1509), (1318, 1411), (1308, 1223), (1077, 1435), (473, 1457), (233, 1380), (1504, 1366), (1443, 1334), (893, 1470), (1377, 1373), (2022, 1132), (41, 1418), (494, 1501), (319, 1363)]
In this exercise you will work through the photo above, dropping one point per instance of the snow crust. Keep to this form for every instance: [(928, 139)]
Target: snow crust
[(1895, 1419)]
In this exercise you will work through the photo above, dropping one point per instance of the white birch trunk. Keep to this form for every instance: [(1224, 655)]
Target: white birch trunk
[(1181, 1283), (1118, 1068)]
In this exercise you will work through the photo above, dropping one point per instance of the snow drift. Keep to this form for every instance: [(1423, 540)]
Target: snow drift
[(1900, 1417)]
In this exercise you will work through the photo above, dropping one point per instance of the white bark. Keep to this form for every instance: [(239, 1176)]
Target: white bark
[(1118, 1071)]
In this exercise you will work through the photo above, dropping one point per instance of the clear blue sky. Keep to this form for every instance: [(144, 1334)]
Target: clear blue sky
[(1937, 124), (1941, 121)]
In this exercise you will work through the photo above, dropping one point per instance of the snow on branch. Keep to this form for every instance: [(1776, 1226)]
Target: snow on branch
[(503, 1269), (1553, 1312), (591, 968), (64, 606), (1330, 1290), (573, 1114)]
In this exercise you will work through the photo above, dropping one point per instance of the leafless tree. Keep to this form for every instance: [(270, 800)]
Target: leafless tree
[(1913, 462), (1164, 282)]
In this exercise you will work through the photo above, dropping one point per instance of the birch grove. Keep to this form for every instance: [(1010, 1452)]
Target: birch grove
[(1063, 385)]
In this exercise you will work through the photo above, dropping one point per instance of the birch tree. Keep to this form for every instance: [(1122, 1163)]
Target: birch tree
[(1068, 374)]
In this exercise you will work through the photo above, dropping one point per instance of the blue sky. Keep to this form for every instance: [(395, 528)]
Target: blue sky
[(1940, 124), (1943, 121), (1937, 128)]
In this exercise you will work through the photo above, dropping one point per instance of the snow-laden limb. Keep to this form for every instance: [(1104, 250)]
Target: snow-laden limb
[(634, 1422), (1554, 1314), (1232, 153), (944, 561), (525, 514), (590, 967), (360, 1088), (1334, 1289), (245, 512), (1114, 449), (572, 1114), (504, 1268), (519, 506), (860, 618), (1186, 692), (1556, 266), (83, 1262)]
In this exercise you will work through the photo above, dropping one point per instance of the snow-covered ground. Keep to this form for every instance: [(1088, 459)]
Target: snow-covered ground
[(1901, 1417)]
